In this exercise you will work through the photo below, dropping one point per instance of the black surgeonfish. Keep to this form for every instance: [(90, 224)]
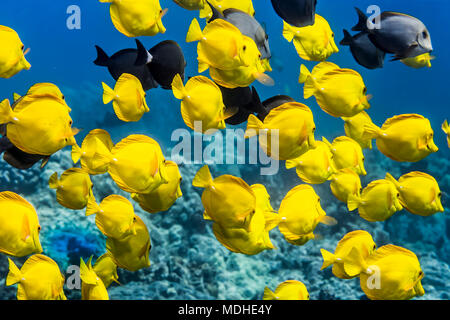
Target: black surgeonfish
[(166, 60), (125, 61), (398, 34), (246, 99), (298, 13), (363, 50)]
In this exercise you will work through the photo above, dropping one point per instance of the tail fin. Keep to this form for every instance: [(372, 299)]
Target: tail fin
[(195, 32), (92, 207), (353, 202), (371, 131), (362, 23), (304, 74), (328, 258), (216, 14), (102, 58), (390, 178), (108, 93), (53, 181), (288, 31), (87, 275), (347, 39), (253, 126), (178, 89), (76, 153), (269, 294), (291, 164), (6, 113), (445, 127), (107, 1), (203, 178), (354, 263), (305, 77), (14, 274)]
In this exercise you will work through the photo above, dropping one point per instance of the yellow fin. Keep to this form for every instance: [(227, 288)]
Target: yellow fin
[(390, 178), (354, 263), (76, 153), (203, 178), (328, 258), (86, 274), (178, 89), (288, 32), (14, 275), (92, 207), (353, 202), (194, 32), (53, 182), (269, 294), (108, 94), (16, 96), (6, 113), (253, 126)]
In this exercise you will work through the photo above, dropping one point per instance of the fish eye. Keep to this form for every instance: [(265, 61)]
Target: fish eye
[(374, 246), (63, 97), (360, 190), (267, 37), (23, 47), (70, 122), (314, 129), (439, 194), (39, 228), (365, 90), (259, 56), (332, 34), (244, 48), (424, 34), (134, 219), (398, 195)]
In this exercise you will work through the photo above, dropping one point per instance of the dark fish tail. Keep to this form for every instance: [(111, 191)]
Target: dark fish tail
[(256, 104), (143, 57), (348, 39), (216, 14), (102, 58), (362, 23)]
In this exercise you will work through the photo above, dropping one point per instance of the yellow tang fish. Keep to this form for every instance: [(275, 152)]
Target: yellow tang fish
[(44, 88), (316, 165), (404, 138), (135, 164), (12, 54), (300, 213), (313, 43), (339, 92), (446, 130), (222, 5), (191, 4), (19, 226), (257, 240), (38, 279), (221, 46), (397, 269), (419, 193), (128, 98), (73, 189), (92, 287), (345, 182), (288, 290), (347, 153), (227, 200), (360, 240), (202, 102), (354, 128), (165, 196), (114, 216), (242, 76), (378, 201), (136, 18), (98, 141), (106, 269), (39, 124), (290, 125), (131, 253), (421, 61)]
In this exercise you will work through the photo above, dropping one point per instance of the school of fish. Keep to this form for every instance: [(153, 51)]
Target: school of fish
[(234, 47)]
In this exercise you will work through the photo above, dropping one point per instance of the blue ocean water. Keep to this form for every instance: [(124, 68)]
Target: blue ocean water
[(197, 266)]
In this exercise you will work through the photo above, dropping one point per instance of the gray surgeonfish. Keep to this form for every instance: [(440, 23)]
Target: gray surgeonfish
[(125, 61), (248, 26), (363, 50), (273, 103), (398, 34), (165, 61), (298, 13)]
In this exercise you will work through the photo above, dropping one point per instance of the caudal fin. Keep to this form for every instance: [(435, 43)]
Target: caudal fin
[(328, 258), (362, 22), (288, 32), (108, 93), (195, 32), (178, 89), (203, 178), (53, 182), (269, 294), (347, 39), (353, 202), (14, 274), (390, 178), (92, 207), (253, 126), (6, 113), (371, 131), (102, 58)]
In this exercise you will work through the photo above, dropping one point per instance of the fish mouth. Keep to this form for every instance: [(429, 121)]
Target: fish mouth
[(432, 147)]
